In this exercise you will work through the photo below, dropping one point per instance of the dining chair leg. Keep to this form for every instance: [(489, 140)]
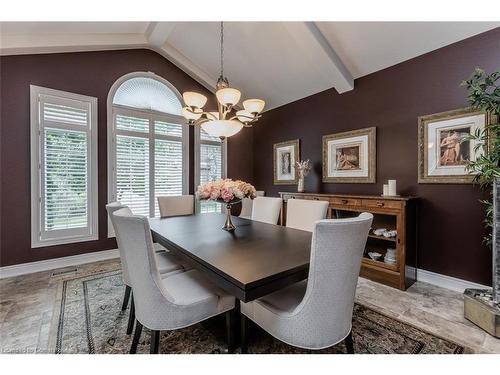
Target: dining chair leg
[(230, 331), (126, 297), (155, 342), (137, 337), (131, 316), (244, 326), (349, 344)]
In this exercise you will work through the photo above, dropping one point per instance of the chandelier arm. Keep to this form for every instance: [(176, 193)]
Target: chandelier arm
[(200, 121), (252, 119)]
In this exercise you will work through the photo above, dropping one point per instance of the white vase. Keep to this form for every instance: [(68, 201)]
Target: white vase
[(300, 185)]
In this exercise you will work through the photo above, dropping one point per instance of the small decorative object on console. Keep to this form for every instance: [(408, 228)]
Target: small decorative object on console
[(303, 168)]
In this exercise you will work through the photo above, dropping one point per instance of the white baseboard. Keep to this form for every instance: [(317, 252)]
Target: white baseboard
[(447, 282), (51, 264)]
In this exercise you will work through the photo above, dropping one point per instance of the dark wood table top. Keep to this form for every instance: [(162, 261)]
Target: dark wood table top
[(254, 260)]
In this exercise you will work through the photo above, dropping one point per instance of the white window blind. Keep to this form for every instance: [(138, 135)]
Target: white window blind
[(132, 173), (64, 167), (148, 158), (211, 166)]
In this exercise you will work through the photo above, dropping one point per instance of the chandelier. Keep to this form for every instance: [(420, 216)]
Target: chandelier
[(228, 119)]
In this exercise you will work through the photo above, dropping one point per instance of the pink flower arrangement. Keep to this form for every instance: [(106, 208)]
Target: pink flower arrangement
[(226, 190)]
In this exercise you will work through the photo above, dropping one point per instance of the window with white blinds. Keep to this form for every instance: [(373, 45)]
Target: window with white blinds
[(148, 153), (63, 167), (211, 161)]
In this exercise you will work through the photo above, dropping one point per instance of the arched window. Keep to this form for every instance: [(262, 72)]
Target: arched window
[(147, 142)]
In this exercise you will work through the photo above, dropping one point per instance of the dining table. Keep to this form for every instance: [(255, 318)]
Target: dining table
[(253, 260)]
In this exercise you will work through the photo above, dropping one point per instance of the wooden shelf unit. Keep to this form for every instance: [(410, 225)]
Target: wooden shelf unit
[(399, 213)]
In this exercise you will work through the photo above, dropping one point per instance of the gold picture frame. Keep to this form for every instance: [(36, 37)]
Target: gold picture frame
[(446, 131), (285, 154), (350, 157)]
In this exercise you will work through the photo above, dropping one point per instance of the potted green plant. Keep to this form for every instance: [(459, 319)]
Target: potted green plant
[(482, 307)]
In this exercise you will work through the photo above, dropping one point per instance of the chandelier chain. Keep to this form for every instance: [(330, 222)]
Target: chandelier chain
[(222, 49)]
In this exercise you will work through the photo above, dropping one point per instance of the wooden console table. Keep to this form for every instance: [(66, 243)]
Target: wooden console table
[(391, 213)]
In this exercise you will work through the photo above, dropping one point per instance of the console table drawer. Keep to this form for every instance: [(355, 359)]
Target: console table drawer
[(345, 201), (381, 203)]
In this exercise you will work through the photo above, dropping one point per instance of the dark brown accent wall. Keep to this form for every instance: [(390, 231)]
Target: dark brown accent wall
[(87, 73), (450, 218)]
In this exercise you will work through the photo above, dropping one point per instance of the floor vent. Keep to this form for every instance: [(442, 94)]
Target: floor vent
[(64, 271)]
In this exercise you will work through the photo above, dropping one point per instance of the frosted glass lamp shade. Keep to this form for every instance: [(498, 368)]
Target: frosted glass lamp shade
[(244, 116), (228, 96), (188, 113), (254, 105), (222, 128), (193, 99)]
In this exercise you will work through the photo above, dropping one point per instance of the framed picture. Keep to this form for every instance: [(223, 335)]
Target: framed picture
[(443, 147), (285, 156), (350, 157)]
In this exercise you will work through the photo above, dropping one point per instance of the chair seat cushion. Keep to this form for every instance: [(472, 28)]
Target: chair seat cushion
[(167, 262), (285, 300), (191, 287)]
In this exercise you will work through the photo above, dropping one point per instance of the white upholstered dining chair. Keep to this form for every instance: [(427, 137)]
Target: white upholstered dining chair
[(266, 209), (166, 263), (247, 205), (317, 313), (303, 213), (168, 303), (176, 205)]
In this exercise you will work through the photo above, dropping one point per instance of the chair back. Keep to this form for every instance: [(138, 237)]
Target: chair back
[(246, 208), (111, 208), (176, 205), (303, 214), (266, 210), (153, 305), (336, 251), (247, 205)]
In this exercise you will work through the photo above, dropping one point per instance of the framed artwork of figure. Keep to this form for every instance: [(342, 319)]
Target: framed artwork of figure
[(285, 154), (350, 157), (444, 148)]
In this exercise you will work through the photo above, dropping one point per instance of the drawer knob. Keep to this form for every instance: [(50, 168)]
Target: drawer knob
[(380, 204), (316, 198), (345, 201)]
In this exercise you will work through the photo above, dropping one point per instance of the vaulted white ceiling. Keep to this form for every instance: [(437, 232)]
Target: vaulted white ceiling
[(279, 62)]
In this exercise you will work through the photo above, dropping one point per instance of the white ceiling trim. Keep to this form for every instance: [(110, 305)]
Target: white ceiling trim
[(56, 43)]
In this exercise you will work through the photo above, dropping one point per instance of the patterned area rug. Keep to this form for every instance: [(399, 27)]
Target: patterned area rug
[(89, 320)]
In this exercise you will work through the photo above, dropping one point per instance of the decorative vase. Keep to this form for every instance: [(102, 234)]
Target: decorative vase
[(300, 186), (228, 225)]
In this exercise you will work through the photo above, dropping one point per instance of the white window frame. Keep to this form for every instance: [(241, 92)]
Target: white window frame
[(197, 144), (151, 115), (39, 238)]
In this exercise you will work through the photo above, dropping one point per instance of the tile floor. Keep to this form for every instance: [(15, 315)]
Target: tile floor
[(27, 304)]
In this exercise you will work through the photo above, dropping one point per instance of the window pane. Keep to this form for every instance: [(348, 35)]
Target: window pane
[(66, 177), (210, 170), (132, 123), (132, 173), (148, 93), (64, 114), (168, 169), (166, 128)]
